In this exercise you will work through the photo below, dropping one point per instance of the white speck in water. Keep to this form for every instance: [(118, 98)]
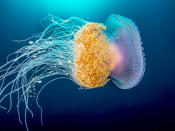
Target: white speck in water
[(39, 81), (51, 72), (64, 21), (59, 62), (30, 42)]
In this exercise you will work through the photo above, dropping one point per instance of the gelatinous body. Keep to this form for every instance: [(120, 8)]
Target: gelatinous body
[(125, 37), (85, 52)]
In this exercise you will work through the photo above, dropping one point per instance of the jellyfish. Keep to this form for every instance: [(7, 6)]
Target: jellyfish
[(87, 53)]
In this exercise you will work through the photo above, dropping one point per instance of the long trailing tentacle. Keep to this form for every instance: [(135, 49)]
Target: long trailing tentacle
[(49, 53)]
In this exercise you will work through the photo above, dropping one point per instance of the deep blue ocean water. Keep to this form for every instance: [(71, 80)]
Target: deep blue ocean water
[(149, 106)]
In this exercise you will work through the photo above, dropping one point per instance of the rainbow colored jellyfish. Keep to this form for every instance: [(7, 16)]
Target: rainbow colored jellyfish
[(88, 53)]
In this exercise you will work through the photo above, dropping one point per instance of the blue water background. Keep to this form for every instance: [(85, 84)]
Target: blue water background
[(148, 106)]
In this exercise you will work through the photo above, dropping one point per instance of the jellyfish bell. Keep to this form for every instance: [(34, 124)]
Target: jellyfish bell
[(110, 49), (129, 59)]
